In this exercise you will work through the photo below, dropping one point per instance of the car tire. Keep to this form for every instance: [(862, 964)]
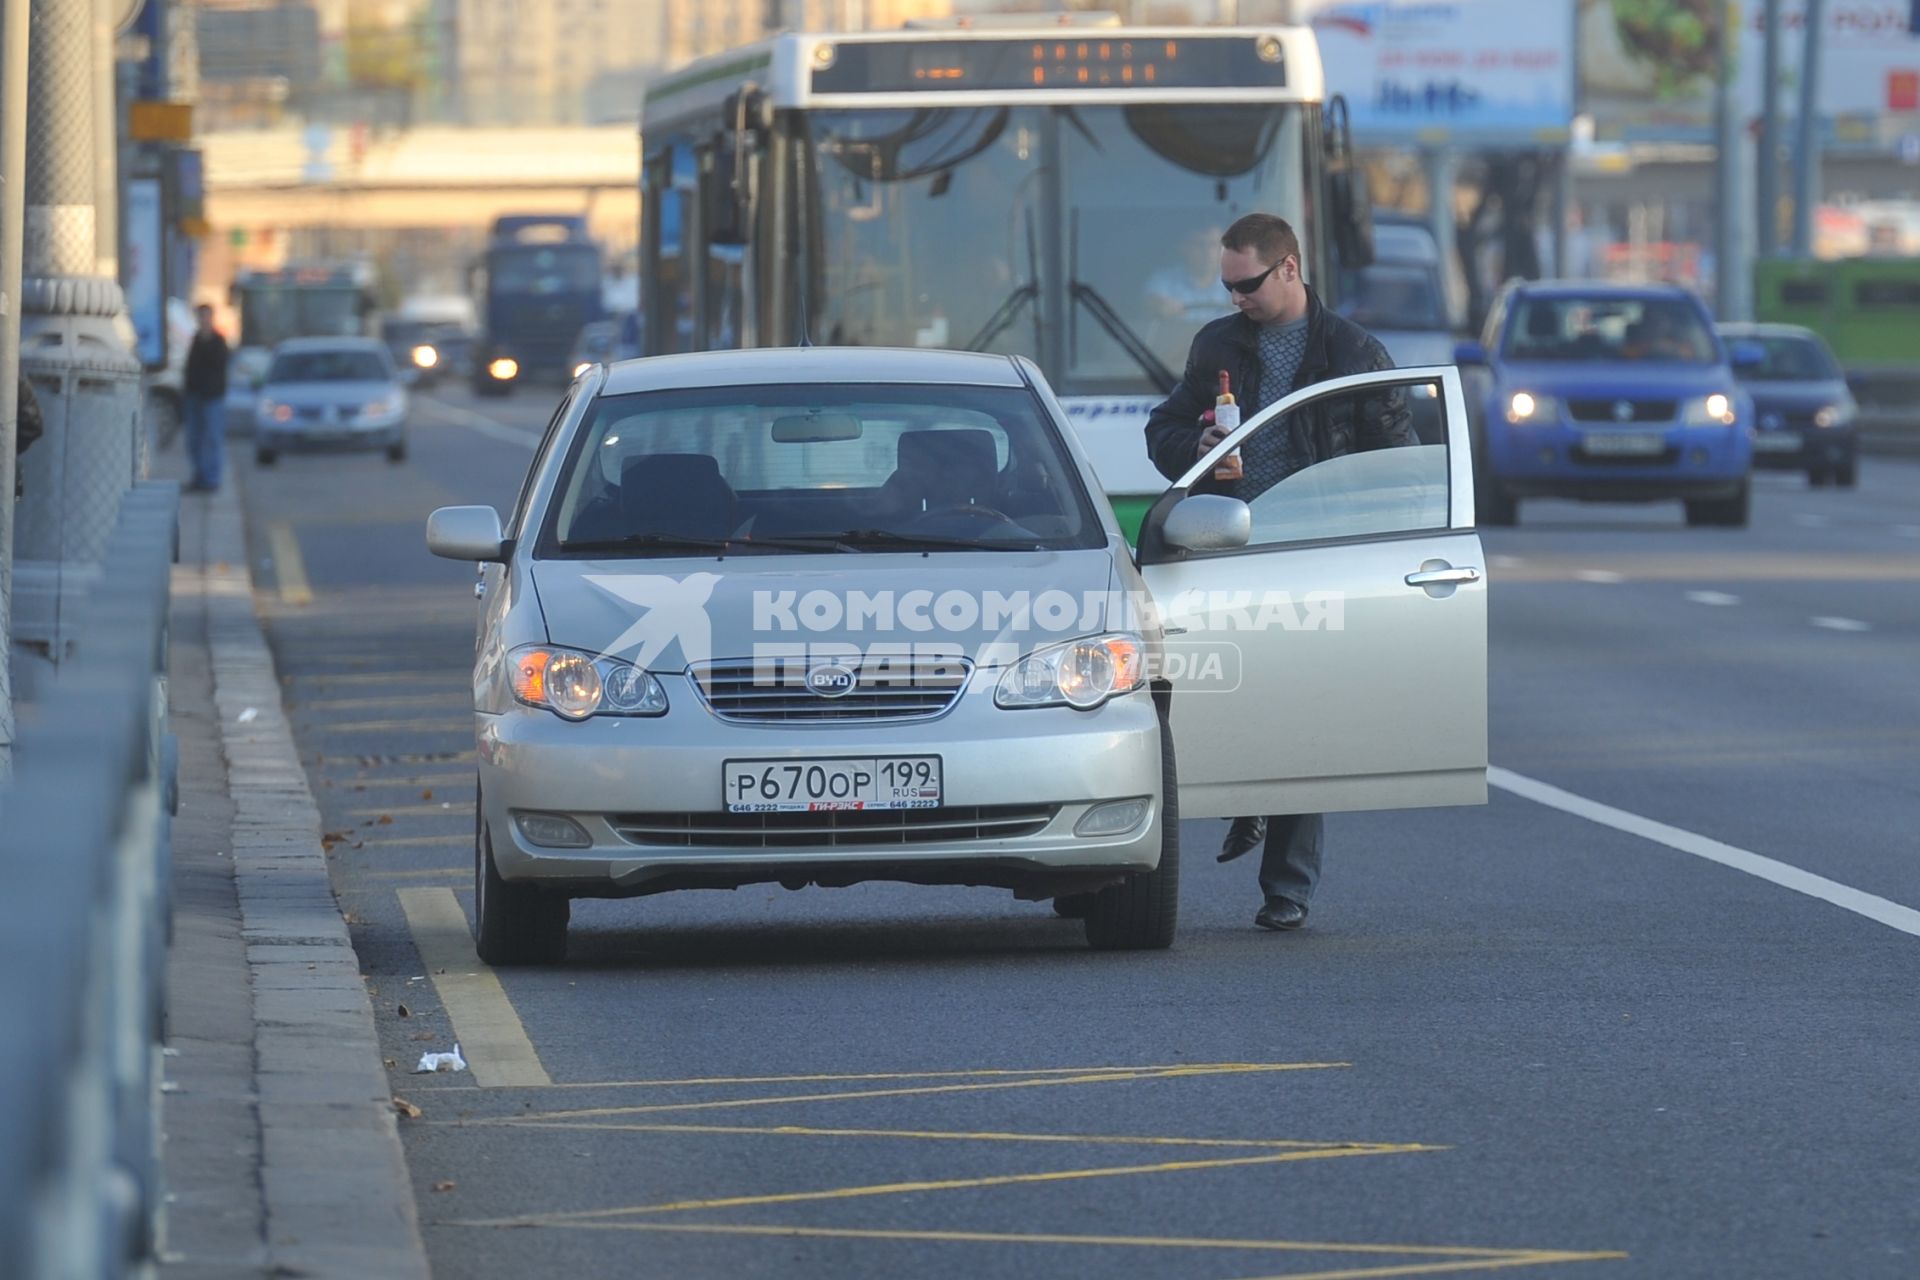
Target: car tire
[(397, 452), (1139, 913), (1730, 513), (265, 457), (1497, 507), (1073, 906), (1847, 474), (1817, 477), (513, 924)]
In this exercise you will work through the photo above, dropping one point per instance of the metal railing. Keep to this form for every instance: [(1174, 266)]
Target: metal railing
[(85, 868)]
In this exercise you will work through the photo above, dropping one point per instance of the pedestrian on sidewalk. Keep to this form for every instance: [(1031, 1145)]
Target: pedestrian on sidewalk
[(205, 401), (1279, 339)]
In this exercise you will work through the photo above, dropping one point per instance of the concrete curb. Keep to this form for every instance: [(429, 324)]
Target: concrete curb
[(333, 1176)]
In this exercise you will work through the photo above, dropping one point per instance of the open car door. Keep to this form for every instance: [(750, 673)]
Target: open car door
[(1327, 633)]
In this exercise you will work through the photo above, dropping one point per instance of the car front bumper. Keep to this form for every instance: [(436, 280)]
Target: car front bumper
[(1580, 461), (1802, 450), (648, 792), (377, 433)]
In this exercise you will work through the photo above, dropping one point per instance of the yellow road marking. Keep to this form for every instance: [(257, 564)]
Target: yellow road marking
[(458, 778), (1195, 1068), (289, 570), (1079, 1139), (1095, 1076), (491, 1038), (955, 1184), (395, 842), (456, 874), (1470, 1258), (447, 673), (1444, 1268)]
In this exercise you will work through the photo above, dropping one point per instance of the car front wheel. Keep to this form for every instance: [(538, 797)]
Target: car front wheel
[(1140, 912), (513, 924)]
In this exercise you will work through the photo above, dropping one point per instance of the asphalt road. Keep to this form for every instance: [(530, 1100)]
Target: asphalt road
[(1605, 1024)]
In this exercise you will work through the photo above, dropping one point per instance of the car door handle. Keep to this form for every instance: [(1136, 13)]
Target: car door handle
[(1441, 577)]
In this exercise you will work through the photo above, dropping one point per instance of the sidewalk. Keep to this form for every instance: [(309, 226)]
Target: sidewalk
[(282, 1156)]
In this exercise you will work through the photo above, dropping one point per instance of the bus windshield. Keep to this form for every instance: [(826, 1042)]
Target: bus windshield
[(544, 270), (1086, 236)]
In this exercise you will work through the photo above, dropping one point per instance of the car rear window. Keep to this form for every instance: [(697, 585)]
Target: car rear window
[(819, 462)]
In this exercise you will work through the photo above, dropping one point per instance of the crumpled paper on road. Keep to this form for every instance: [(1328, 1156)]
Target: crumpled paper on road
[(431, 1062)]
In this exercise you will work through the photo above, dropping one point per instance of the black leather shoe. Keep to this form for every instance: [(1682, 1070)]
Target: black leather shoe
[(1244, 836), (1281, 913)]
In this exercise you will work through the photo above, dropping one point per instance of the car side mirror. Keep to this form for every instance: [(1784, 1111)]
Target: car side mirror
[(466, 533), (1469, 353), (1208, 522), (1747, 355)]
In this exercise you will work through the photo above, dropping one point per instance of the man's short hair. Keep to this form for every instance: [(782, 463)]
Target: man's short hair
[(1269, 238), (204, 309)]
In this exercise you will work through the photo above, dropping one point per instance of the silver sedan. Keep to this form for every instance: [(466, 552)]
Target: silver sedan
[(822, 616)]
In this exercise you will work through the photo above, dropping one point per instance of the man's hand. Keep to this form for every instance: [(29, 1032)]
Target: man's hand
[(1210, 437)]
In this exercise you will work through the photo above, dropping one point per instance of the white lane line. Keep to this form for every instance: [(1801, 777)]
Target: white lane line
[(488, 427), (1907, 530), (1807, 520), (1841, 624), (491, 1038), (1606, 576), (1506, 562), (1846, 897), (1720, 598)]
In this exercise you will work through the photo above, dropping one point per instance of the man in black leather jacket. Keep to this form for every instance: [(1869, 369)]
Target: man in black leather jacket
[(1279, 340)]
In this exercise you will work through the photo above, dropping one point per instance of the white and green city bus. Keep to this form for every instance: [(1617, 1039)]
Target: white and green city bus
[(1056, 191)]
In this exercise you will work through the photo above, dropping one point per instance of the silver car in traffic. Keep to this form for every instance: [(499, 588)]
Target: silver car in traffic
[(330, 393), (823, 616)]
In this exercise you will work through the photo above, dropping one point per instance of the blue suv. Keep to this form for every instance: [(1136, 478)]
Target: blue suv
[(1610, 393)]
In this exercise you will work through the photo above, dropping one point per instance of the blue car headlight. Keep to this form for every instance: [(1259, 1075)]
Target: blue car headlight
[(1526, 407), (1715, 410)]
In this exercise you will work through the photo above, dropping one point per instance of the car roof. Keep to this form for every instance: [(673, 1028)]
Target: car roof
[(1603, 289), (342, 343), (775, 365)]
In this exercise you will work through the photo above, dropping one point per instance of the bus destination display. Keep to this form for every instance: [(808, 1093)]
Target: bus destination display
[(1081, 62)]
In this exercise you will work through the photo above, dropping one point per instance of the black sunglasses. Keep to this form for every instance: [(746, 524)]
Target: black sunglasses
[(1251, 283)]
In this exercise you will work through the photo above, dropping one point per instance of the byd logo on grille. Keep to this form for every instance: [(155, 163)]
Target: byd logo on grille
[(832, 680)]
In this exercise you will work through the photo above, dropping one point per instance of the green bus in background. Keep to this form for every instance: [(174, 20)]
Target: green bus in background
[(1867, 309)]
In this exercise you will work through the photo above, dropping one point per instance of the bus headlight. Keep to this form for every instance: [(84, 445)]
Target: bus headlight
[(503, 368), (425, 357)]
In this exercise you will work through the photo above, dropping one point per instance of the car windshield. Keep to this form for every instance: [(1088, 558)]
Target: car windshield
[(1609, 329), (1392, 296), (327, 366), (1789, 359), (829, 467)]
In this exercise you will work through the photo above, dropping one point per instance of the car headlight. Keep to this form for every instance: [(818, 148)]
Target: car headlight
[(382, 407), (1080, 673), (1715, 410), (276, 412), (425, 356), (504, 368), (575, 685), (1833, 415), (1524, 406)]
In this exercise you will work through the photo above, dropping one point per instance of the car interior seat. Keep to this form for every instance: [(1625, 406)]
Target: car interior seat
[(675, 493), (941, 469)]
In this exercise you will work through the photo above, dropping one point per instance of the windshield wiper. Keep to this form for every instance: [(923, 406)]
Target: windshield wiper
[(859, 538), (679, 542)]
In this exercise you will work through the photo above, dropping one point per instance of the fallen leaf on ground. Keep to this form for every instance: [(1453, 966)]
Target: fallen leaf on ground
[(427, 794), (448, 1185), (425, 1035), (404, 1011), (385, 820), (407, 1109)]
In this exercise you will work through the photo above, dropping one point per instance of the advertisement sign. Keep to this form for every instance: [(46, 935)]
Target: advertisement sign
[(1648, 67), (143, 268), (1473, 72)]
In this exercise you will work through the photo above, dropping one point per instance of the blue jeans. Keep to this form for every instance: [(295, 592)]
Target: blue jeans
[(1290, 859), (206, 439)]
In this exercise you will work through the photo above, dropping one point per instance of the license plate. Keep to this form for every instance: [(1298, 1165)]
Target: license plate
[(1623, 444), (1777, 443), (807, 786)]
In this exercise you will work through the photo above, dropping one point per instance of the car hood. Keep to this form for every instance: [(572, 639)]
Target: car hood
[(1615, 380), (1796, 397), (667, 614), (1414, 348), (325, 393)]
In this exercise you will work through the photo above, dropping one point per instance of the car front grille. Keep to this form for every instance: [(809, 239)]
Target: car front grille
[(900, 687), (837, 828), (1605, 410)]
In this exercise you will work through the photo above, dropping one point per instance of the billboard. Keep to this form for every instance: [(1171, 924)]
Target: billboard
[(1464, 72), (1647, 67)]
